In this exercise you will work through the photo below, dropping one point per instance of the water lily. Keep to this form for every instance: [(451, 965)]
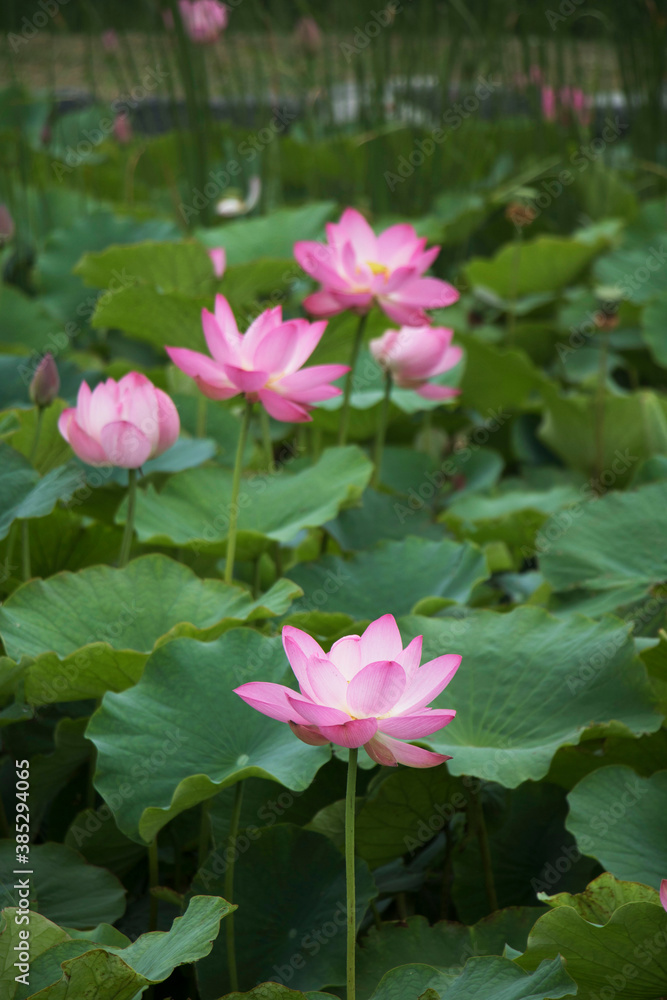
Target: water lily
[(45, 382), (413, 355), (218, 260), (120, 423), (367, 691), (357, 269), (231, 206), (203, 20), (265, 364)]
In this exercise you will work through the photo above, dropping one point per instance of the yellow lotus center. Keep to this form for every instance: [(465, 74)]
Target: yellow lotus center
[(378, 268)]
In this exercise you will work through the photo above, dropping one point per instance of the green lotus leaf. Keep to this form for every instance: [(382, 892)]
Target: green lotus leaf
[(481, 979), (291, 926), (162, 747), (63, 887), (618, 817), (544, 683), (365, 585), (192, 509)]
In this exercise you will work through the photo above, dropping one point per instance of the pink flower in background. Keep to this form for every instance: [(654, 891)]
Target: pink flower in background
[(203, 20), (415, 354), (7, 227), (568, 100), (122, 128), (574, 99), (265, 363), (548, 104), (535, 73), (663, 893), (308, 36), (110, 41), (120, 423), (356, 269), (367, 691), (219, 260)]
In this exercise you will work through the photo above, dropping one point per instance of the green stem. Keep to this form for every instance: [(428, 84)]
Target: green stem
[(126, 544), (204, 832), (347, 392), (153, 880), (477, 818), (350, 805), (200, 429), (9, 554), (382, 429), (514, 287), (600, 404), (229, 884), (25, 550), (234, 504), (25, 530), (267, 444)]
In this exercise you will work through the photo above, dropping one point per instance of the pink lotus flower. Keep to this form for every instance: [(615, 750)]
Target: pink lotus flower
[(264, 364), (414, 354), (45, 382), (203, 20), (366, 691), (120, 423), (356, 269), (548, 104), (219, 260), (122, 128), (110, 41), (7, 227), (663, 893), (308, 36)]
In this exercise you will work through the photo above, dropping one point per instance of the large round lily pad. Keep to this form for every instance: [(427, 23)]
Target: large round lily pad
[(181, 734), (530, 683)]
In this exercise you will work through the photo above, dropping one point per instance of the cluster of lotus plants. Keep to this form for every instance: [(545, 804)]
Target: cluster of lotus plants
[(333, 582)]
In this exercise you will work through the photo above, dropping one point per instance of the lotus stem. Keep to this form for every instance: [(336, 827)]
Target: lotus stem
[(267, 444), (349, 378), (126, 544), (25, 529), (229, 884), (234, 503), (600, 399), (153, 881), (350, 806), (204, 832), (382, 429), (477, 818), (200, 429)]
